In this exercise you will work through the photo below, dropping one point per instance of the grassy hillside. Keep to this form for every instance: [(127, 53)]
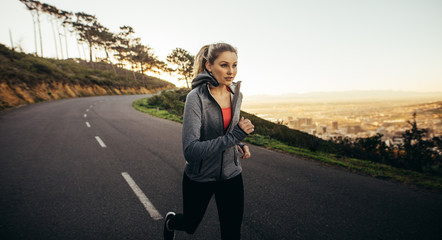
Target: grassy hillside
[(170, 104), (25, 79)]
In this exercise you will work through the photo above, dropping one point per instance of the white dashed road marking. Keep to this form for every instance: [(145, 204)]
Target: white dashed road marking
[(100, 141), (142, 197), (153, 212)]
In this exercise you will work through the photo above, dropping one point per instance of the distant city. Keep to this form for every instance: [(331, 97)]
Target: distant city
[(362, 118)]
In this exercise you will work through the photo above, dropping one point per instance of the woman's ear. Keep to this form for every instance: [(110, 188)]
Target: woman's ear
[(208, 66)]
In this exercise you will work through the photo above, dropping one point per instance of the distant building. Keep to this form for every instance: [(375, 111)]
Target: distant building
[(320, 129), (354, 129), (294, 124), (304, 124), (323, 128), (381, 130), (335, 125), (305, 121)]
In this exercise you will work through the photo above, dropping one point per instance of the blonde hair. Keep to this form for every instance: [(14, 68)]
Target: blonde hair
[(209, 53)]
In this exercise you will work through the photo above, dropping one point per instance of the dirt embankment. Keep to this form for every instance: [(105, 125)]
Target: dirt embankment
[(27, 79), (22, 94)]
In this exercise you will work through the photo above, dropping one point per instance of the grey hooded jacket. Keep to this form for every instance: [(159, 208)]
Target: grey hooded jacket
[(211, 154)]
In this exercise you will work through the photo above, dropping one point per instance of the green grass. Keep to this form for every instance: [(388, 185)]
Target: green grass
[(382, 171), (142, 106)]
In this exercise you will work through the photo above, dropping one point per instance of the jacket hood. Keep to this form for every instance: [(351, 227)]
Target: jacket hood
[(204, 77)]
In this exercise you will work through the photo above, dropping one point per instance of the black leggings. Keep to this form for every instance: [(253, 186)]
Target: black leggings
[(229, 196)]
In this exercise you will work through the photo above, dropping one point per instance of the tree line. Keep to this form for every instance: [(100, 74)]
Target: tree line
[(122, 49), (416, 153)]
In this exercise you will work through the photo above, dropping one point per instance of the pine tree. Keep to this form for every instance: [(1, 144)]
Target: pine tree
[(418, 152), (183, 61)]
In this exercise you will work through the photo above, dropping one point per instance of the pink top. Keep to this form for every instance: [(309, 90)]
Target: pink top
[(227, 116)]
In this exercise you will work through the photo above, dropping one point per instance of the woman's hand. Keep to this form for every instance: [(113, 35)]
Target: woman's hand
[(245, 151), (246, 125)]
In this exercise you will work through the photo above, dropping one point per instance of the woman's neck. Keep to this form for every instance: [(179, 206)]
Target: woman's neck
[(220, 90), (221, 95)]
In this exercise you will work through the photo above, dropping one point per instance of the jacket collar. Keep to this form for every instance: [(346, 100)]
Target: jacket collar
[(205, 77), (233, 88)]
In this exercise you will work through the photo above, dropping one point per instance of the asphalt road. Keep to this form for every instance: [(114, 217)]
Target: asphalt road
[(57, 181)]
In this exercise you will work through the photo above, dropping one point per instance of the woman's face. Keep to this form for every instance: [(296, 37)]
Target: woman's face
[(224, 68)]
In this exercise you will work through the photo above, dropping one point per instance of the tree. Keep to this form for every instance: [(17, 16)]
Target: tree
[(143, 57), (183, 62), (53, 13), (154, 65), (66, 21), (60, 18), (35, 7), (107, 41), (374, 147), (123, 42), (146, 60), (131, 54), (371, 143), (88, 29), (160, 67), (419, 153)]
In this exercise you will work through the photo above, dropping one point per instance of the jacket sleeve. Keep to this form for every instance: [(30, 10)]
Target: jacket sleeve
[(194, 149)]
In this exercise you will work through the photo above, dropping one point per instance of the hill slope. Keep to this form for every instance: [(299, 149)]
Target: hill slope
[(26, 79)]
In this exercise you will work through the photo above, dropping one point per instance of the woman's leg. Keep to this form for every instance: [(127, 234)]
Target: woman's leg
[(196, 198), (229, 197)]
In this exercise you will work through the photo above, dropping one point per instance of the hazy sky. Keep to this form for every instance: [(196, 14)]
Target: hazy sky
[(284, 46)]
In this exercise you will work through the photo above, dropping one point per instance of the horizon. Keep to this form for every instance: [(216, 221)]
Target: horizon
[(362, 94), (293, 47), (356, 90), (365, 96)]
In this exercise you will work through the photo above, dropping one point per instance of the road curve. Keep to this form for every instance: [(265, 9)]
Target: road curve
[(64, 167)]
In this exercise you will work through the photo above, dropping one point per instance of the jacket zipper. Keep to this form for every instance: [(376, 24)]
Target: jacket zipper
[(233, 104), (201, 164), (234, 101), (235, 156), (224, 132), (221, 170)]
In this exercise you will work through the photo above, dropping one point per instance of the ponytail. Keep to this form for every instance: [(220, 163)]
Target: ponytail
[(200, 60)]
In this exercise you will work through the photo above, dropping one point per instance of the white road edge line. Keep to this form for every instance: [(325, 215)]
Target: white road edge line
[(142, 197), (85, 115), (88, 125), (100, 141), (87, 110)]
